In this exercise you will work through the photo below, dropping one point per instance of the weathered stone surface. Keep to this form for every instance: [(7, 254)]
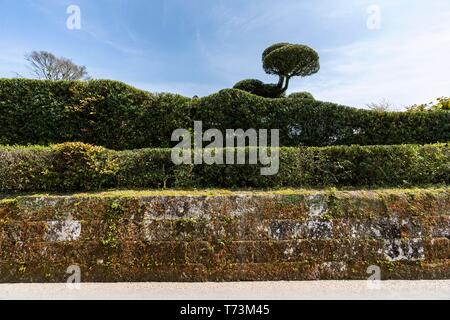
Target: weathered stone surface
[(278, 235), (65, 230)]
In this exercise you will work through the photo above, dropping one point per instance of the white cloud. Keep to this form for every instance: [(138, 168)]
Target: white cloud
[(12, 61), (405, 68)]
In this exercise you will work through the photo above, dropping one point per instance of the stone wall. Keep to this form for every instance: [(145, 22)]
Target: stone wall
[(226, 236)]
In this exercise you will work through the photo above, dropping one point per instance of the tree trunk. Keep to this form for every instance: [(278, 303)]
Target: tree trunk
[(280, 82), (286, 85)]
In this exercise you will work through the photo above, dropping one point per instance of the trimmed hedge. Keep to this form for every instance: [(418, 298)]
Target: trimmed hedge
[(101, 112), (259, 88), (316, 123), (117, 116), (77, 166), (301, 95)]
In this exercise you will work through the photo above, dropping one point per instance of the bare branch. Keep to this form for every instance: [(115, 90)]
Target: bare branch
[(382, 106)]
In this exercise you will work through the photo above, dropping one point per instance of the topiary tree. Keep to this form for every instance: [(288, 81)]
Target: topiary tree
[(258, 88), (285, 60), (290, 60), (250, 85)]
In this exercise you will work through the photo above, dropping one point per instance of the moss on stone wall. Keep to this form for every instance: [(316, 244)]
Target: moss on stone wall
[(209, 235)]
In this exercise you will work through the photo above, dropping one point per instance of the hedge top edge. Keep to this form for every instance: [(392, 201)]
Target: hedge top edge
[(118, 116)]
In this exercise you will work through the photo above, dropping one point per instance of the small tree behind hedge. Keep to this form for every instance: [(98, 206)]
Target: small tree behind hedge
[(442, 104), (45, 65)]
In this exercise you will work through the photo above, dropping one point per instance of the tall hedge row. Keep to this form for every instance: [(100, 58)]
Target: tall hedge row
[(77, 166), (100, 112), (117, 116), (315, 123)]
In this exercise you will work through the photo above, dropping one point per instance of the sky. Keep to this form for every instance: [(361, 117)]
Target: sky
[(393, 50)]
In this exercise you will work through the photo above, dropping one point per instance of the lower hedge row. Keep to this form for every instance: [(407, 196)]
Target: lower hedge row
[(82, 167)]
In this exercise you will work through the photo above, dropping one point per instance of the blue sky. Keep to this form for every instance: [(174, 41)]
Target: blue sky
[(196, 47)]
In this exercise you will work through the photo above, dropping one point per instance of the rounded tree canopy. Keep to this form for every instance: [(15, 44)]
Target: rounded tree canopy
[(289, 60), (272, 48)]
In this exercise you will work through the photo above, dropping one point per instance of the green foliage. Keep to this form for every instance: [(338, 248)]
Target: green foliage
[(100, 112), (315, 123), (301, 95), (71, 167), (272, 48), (83, 166), (250, 85), (290, 60), (27, 169), (113, 218), (258, 88), (285, 60), (116, 116), (442, 104)]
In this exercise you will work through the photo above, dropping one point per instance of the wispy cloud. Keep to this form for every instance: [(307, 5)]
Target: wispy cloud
[(405, 68), (199, 47), (12, 62), (118, 46)]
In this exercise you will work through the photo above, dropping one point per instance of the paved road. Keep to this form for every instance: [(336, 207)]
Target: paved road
[(285, 290)]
